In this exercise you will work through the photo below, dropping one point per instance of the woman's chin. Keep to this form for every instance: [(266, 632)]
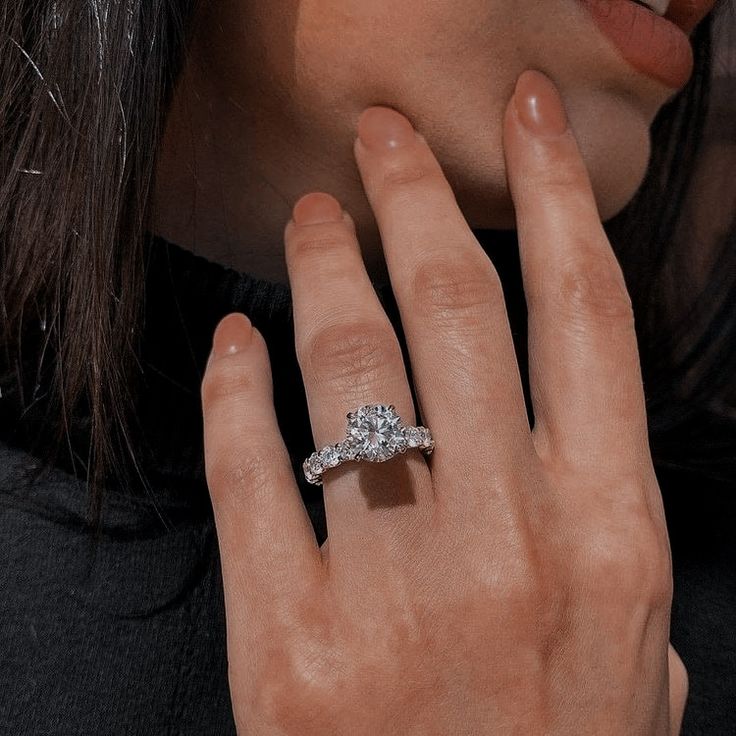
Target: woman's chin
[(616, 160), (616, 156)]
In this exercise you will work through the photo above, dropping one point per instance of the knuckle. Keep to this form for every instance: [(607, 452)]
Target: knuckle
[(225, 378), (399, 174), (348, 353), (592, 289), (533, 601), (635, 565), (519, 592), (564, 179), (453, 286), (237, 475), (329, 238), (526, 577)]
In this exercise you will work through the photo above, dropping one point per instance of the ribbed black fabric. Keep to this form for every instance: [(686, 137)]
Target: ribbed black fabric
[(127, 636)]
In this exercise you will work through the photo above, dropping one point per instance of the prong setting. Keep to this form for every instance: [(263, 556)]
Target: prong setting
[(374, 433)]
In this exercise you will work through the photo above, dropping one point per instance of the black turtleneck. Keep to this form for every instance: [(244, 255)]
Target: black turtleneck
[(124, 634)]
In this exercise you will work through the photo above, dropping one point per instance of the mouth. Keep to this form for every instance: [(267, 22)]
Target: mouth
[(653, 35), (686, 14), (646, 37), (658, 7)]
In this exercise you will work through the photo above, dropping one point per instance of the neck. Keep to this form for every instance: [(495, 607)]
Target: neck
[(231, 166)]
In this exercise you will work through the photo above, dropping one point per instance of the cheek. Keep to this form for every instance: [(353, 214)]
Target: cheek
[(451, 66), (614, 140), (612, 132), (354, 50), (613, 136)]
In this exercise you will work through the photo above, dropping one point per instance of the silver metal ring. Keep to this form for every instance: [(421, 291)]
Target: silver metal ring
[(374, 433)]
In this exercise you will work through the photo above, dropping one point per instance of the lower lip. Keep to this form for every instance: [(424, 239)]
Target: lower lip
[(652, 44)]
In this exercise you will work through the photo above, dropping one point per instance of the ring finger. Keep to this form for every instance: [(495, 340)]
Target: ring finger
[(349, 355)]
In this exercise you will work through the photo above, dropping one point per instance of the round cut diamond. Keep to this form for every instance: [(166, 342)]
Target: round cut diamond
[(329, 456), (375, 432), (413, 437), (313, 463), (312, 467), (346, 451), (427, 442)]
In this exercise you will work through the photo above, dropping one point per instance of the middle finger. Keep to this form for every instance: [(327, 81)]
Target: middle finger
[(452, 310)]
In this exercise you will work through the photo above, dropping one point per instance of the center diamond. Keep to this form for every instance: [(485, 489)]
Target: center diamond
[(375, 432)]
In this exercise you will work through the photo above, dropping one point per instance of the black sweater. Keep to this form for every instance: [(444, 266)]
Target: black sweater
[(126, 635)]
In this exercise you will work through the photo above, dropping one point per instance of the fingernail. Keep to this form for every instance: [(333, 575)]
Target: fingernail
[(539, 104), (383, 129), (316, 207), (232, 334)]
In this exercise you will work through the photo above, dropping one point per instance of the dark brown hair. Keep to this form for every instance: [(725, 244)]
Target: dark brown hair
[(84, 89)]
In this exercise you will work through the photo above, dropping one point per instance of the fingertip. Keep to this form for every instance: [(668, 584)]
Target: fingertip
[(540, 148), (315, 208), (233, 333), (536, 116), (539, 105), (243, 369)]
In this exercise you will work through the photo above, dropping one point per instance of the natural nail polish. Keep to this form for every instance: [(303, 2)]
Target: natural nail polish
[(383, 129), (539, 104), (232, 335), (316, 207)]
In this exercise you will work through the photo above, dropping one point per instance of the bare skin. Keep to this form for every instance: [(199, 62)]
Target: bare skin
[(266, 110), (518, 580)]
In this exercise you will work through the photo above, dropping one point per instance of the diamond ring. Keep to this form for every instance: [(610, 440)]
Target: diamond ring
[(374, 433)]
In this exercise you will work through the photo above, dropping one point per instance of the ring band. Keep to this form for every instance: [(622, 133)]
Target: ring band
[(374, 433)]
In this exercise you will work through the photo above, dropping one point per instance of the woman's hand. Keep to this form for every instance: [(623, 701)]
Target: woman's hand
[(515, 581)]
